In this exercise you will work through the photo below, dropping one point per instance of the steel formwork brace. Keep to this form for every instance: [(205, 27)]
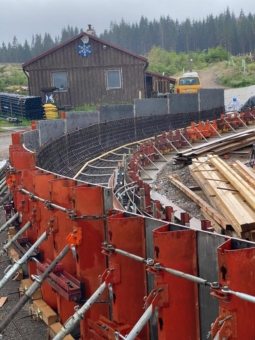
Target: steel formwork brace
[(49, 204), (11, 270), (139, 326), (157, 267), (73, 321), (9, 222), (14, 238), (32, 289)]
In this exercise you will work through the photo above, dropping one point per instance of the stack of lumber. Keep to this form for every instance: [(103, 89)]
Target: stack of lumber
[(228, 192), (220, 146)]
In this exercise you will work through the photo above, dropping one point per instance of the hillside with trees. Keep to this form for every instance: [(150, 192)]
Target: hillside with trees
[(235, 34)]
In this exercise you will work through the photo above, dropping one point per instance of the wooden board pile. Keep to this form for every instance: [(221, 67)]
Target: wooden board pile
[(230, 191)]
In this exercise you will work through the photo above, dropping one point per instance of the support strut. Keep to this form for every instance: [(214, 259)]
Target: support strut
[(14, 238), (73, 321), (140, 324), (32, 289), (9, 222), (11, 270)]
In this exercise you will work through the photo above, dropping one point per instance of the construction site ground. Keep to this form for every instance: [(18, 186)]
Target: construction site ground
[(162, 185), (22, 327)]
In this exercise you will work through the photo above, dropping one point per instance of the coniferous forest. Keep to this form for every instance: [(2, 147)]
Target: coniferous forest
[(234, 33)]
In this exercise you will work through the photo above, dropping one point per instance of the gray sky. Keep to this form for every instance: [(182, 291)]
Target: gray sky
[(27, 17)]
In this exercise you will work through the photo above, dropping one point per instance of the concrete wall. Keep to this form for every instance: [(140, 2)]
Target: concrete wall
[(47, 130), (115, 112), (183, 103), (210, 98), (152, 106), (50, 129), (31, 139), (80, 119)]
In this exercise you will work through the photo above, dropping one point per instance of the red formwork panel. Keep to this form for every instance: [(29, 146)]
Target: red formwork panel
[(61, 194), (128, 234), (179, 316), (41, 184), (90, 262), (237, 272), (22, 159)]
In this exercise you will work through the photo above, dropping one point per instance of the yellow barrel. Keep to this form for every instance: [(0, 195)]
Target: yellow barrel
[(51, 111)]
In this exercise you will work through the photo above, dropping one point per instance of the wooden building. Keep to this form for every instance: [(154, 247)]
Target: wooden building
[(88, 70), (158, 85)]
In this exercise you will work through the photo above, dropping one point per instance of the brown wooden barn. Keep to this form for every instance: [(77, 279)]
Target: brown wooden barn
[(88, 70)]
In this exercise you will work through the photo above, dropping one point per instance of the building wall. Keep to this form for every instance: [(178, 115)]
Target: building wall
[(86, 75)]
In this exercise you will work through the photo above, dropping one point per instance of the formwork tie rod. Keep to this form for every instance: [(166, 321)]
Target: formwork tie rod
[(32, 289), (14, 238), (11, 270), (46, 202), (73, 321), (157, 267), (240, 295), (9, 222), (111, 250)]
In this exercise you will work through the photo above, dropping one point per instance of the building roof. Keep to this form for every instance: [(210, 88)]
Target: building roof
[(158, 75), (77, 37)]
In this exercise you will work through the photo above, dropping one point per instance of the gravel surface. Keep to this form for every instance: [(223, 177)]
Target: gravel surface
[(22, 327), (5, 141), (164, 187)]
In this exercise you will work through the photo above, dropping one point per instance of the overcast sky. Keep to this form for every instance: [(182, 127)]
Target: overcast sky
[(23, 18)]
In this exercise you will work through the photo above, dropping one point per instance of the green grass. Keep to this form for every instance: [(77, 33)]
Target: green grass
[(86, 107), (4, 123)]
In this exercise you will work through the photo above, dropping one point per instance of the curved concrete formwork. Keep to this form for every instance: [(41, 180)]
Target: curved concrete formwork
[(136, 262)]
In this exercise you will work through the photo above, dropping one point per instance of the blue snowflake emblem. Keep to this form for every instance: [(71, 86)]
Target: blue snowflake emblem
[(84, 49)]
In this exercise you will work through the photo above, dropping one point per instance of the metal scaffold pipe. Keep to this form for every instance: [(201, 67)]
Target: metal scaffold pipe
[(9, 222), (73, 321), (14, 238), (140, 324), (5, 198), (32, 289), (13, 269)]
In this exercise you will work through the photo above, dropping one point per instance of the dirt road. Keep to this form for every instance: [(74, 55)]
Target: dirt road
[(5, 141)]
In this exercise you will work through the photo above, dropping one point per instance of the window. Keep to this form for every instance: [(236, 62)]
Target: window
[(113, 79), (59, 80)]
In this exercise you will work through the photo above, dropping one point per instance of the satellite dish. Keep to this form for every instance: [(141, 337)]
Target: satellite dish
[(85, 39)]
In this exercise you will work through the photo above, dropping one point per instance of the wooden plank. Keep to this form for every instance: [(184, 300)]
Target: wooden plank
[(236, 180), (204, 205), (218, 228), (246, 173), (54, 329), (224, 140), (239, 214), (3, 300), (205, 185), (25, 284), (47, 314)]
